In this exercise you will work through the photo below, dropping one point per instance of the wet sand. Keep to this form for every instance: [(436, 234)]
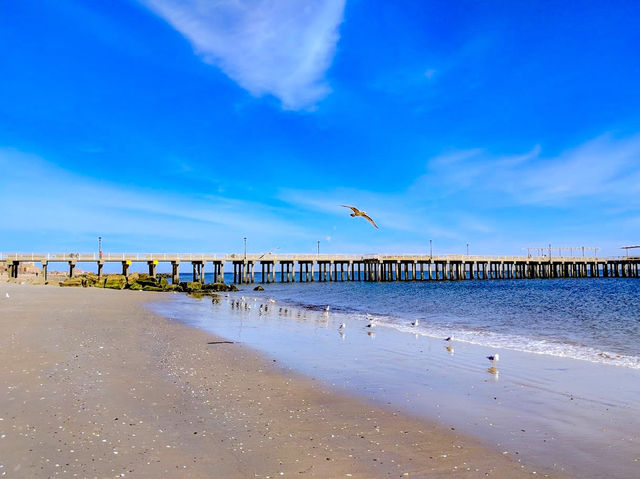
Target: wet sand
[(95, 385)]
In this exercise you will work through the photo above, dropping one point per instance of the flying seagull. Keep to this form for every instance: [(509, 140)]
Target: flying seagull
[(357, 212)]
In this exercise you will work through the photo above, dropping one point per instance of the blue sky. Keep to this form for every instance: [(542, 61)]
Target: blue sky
[(166, 125)]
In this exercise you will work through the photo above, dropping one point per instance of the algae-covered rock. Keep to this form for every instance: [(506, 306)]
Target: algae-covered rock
[(135, 286), (217, 287), (72, 282), (233, 288), (163, 283), (115, 281), (214, 287), (89, 279), (191, 286), (258, 288), (151, 288), (172, 287)]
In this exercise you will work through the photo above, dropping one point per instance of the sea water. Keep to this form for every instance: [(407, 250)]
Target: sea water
[(595, 319)]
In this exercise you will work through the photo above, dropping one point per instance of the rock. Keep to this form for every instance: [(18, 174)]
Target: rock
[(89, 279), (163, 283), (233, 287), (115, 281), (85, 280), (191, 286), (215, 287), (72, 282), (151, 288), (258, 288), (172, 287), (135, 286)]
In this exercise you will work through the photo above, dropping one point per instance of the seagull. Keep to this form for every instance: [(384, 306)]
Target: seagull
[(415, 323), (494, 358), (7, 295), (342, 326), (371, 325), (357, 212), (327, 308), (450, 338)]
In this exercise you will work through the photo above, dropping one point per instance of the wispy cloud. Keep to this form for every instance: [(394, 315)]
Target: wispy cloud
[(605, 168), (277, 47), (587, 193), (42, 198)]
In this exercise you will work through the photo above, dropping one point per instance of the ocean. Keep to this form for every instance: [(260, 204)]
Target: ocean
[(595, 320)]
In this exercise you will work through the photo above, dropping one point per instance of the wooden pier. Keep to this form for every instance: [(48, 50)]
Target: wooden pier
[(305, 268)]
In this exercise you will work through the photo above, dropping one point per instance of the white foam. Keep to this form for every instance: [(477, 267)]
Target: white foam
[(518, 343)]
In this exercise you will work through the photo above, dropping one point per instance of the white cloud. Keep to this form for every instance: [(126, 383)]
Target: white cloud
[(41, 198), (277, 47), (605, 168)]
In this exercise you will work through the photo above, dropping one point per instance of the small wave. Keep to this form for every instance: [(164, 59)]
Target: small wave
[(517, 343), (489, 339)]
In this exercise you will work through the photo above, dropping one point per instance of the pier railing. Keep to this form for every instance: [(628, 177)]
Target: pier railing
[(81, 257)]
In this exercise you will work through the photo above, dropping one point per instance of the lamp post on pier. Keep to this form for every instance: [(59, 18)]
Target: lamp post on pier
[(100, 247), (245, 247), (431, 248), (467, 249), (318, 247)]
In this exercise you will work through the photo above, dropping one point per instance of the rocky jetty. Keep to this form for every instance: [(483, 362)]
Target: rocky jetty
[(143, 282)]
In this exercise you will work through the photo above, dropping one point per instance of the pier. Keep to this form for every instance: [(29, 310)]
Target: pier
[(316, 267)]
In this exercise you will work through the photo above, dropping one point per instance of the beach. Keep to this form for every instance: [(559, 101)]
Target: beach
[(94, 384)]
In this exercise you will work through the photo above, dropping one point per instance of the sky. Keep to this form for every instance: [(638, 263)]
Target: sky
[(187, 126)]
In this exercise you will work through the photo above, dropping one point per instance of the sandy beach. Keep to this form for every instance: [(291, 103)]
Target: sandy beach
[(96, 385)]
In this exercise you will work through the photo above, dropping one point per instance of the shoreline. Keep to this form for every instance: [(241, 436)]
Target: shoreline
[(565, 414), (100, 386)]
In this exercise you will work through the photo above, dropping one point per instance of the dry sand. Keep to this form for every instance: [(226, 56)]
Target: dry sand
[(92, 384)]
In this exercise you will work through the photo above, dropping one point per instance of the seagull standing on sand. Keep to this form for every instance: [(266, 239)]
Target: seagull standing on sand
[(450, 338), (357, 212), (327, 308), (415, 323), (6, 294), (342, 326), (494, 358)]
